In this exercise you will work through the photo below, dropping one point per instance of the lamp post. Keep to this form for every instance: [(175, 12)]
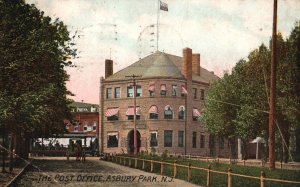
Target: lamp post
[(134, 112)]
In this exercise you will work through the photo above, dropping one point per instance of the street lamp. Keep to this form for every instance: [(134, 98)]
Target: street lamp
[(134, 113)]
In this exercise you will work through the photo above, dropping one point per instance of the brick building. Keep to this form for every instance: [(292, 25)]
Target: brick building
[(86, 121), (170, 96)]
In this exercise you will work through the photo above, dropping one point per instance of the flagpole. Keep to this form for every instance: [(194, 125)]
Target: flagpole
[(158, 1)]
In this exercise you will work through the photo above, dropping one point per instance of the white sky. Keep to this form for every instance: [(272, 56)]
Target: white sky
[(222, 31)]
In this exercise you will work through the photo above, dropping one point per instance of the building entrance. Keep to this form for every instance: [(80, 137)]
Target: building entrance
[(130, 138)]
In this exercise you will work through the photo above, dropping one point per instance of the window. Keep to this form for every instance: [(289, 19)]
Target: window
[(196, 114), (153, 116), (94, 126), (180, 138), (168, 138), (221, 143), (130, 113), (153, 112), (117, 92), (138, 91), (202, 141), (153, 139), (85, 128), (181, 112), (184, 92), (108, 93), (195, 93), (152, 90), (112, 139), (174, 90), (194, 139), (202, 94), (112, 114), (131, 117), (76, 128), (163, 91), (168, 112), (129, 91), (113, 118)]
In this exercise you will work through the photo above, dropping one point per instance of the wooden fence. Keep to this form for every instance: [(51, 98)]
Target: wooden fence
[(133, 162)]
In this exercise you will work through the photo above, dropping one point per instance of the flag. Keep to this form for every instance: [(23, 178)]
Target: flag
[(163, 6)]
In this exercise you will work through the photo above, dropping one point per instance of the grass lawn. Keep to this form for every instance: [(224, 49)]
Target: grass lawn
[(219, 180)]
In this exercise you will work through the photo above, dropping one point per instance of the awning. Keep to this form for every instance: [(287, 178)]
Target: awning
[(163, 87), (183, 90), (152, 87), (153, 110), (111, 112), (196, 113), (130, 111)]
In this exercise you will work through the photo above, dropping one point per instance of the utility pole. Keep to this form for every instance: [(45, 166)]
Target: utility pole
[(134, 112), (273, 92)]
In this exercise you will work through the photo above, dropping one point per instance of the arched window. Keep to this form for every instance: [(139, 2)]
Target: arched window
[(168, 112), (181, 112), (153, 112)]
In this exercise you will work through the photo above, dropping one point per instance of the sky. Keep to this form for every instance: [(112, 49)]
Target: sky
[(222, 31)]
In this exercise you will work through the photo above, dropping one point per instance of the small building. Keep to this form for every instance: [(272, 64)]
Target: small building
[(170, 96), (85, 122)]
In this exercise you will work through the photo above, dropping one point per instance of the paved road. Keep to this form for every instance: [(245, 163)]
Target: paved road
[(94, 172)]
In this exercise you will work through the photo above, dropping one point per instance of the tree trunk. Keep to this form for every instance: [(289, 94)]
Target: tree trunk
[(3, 154), (286, 145), (245, 150), (11, 153)]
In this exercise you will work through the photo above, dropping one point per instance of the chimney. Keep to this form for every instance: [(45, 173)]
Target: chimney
[(186, 69), (196, 64), (109, 69)]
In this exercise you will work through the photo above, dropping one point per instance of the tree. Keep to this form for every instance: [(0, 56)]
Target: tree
[(238, 104), (33, 52)]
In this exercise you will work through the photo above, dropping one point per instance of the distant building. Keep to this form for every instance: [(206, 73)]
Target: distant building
[(85, 122), (170, 96)]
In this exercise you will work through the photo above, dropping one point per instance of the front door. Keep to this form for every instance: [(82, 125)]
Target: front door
[(130, 138)]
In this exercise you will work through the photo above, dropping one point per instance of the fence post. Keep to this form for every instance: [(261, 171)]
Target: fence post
[(151, 166), (189, 172), (135, 163), (129, 163), (262, 163), (229, 177), (175, 169), (262, 179), (162, 168), (124, 161), (143, 165), (244, 162), (208, 175)]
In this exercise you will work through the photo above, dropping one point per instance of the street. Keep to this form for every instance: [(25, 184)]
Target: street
[(57, 171)]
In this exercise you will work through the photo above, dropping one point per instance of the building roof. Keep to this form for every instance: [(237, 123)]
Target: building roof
[(160, 65), (82, 104)]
